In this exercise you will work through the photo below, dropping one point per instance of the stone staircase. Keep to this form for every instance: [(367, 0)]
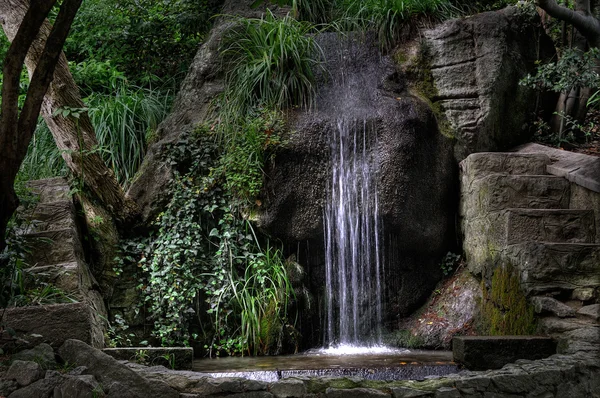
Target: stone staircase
[(514, 211), (55, 257)]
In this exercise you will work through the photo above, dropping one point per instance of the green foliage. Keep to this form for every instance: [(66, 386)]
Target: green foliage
[(241, 165), (270, 63), (389, 16), (208, 277), (504, 307), (144, 38), (575, 69), (123, 119)]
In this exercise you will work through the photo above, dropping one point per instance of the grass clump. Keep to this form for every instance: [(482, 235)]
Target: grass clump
[(270, 63), (504, 307)]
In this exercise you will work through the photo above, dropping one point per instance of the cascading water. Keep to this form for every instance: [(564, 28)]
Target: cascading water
[(354, 269)]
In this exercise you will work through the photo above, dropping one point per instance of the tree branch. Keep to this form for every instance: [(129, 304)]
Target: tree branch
[(13, 65), (581, 19), (44, 72)]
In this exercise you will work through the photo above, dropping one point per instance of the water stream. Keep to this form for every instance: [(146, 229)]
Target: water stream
[(353, 256)]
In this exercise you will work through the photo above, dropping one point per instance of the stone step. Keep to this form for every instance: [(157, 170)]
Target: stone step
[(498, 192), (53, 247), (485, 163), (64, 276), (557, 268), (51, 217), (550, 225), (51, 189)]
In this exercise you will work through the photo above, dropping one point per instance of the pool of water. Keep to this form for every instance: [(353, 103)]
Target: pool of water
[(383, 365)]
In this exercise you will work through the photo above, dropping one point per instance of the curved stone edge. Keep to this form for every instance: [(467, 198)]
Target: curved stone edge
[(558, 375)]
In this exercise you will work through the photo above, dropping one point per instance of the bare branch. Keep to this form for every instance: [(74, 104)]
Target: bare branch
[(581, 19)]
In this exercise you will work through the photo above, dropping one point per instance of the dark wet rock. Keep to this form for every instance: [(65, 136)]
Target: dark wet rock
[(415, 170), (493, 352), (83, 386), (42, 354), (7, 387), (355, 393), (544, 304), (25, 372), (109, 371), (288, 388)]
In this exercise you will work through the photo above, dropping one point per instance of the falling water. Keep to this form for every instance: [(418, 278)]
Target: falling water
[(353, 253)]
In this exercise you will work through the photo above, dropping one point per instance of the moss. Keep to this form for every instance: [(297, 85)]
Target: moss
[(423, 86), (504, 309)]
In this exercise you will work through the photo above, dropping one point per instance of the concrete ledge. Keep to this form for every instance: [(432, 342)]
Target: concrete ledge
[(179, 358), (493, 352)]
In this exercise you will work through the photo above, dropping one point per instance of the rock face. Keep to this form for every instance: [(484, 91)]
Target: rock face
[(476, 64), (493, 352), (202, 84), (415, 170)]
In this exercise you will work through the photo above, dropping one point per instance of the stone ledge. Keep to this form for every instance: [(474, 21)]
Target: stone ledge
[(580, 169), (180, 358), (493, 352), (56, 323)]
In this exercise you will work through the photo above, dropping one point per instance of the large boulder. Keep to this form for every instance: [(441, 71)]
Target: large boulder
[(114, 376), (475, 65), (202, 84), (415, 170)]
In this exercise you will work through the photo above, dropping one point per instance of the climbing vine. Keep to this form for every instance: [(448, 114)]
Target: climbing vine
[(208, 276)]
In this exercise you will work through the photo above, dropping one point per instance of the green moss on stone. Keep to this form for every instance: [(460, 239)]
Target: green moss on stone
[(504, 309)]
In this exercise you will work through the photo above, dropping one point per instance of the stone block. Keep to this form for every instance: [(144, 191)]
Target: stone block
[(592, 311), (25, 372), (180, 358), (63, 276), (481, 164), (493, 352), (56, 323), (355, 393), (51, 216), (53, 247), (552, 267), (497, 192), (51, 189), (544, 304), (288, 388), (550, 225)]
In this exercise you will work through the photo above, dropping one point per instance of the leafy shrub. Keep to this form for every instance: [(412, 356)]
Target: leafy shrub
[(143, 38), (206, 249)]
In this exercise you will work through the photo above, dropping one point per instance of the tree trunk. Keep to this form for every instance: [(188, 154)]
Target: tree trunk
[(17, 129), (75, 138)]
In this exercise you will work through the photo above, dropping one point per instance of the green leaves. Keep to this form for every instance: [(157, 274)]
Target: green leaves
[(575, 69)]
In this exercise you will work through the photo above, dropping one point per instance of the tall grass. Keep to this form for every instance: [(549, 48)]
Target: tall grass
[(389, 16), (122, 121), (270, 63)]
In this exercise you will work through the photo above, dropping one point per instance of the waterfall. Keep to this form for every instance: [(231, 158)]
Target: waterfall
[(353, 258)]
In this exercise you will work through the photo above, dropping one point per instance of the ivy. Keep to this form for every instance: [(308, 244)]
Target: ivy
[(208, 276)]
